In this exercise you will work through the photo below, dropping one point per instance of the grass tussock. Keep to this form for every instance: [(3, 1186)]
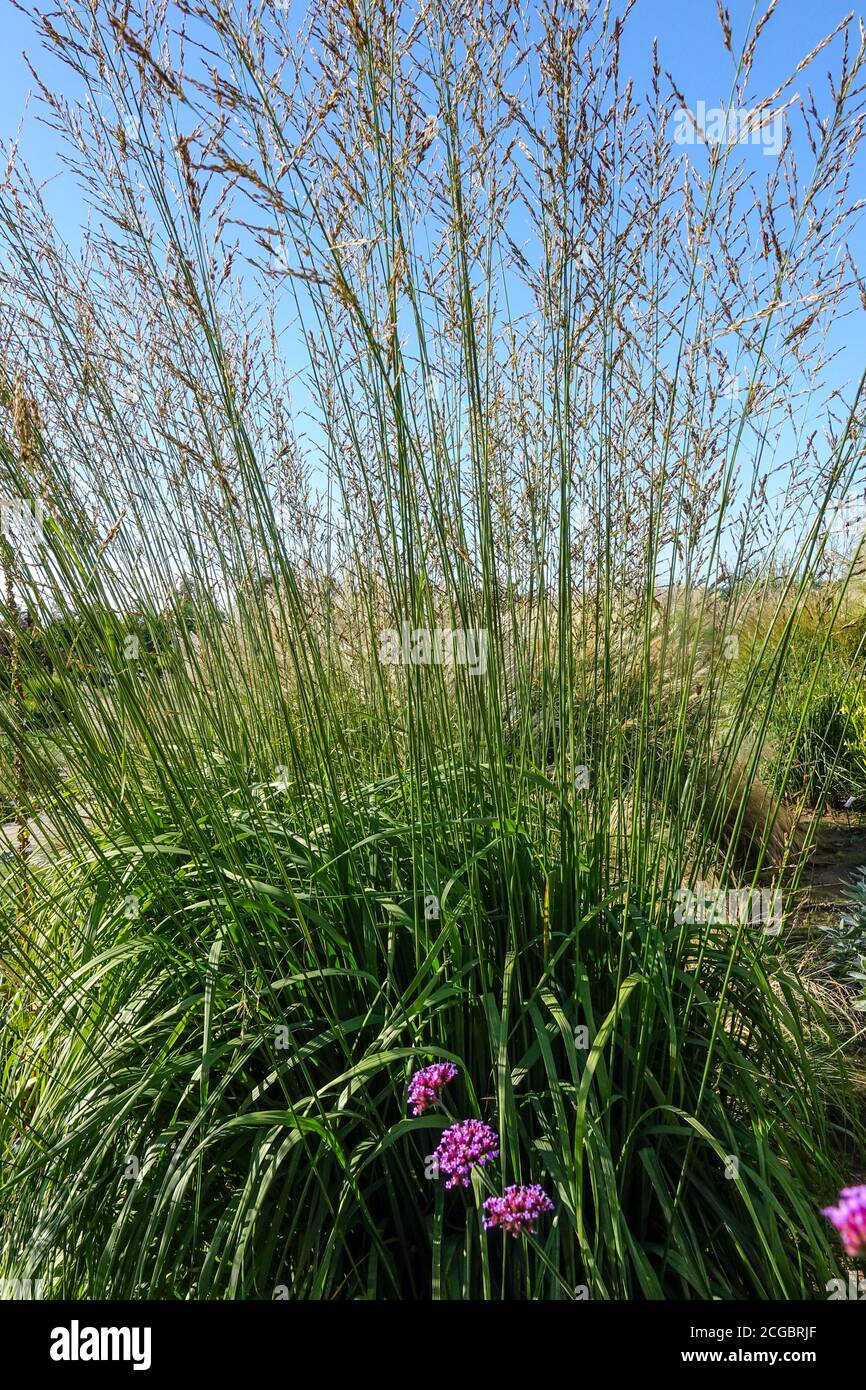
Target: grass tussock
[(415, 616)]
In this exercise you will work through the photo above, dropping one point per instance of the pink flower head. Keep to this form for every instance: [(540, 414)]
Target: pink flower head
[(849, 1218), (426, 1086), (464, 1146), (518, 1210)]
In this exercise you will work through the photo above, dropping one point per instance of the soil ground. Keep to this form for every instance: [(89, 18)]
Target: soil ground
[(838, 855)]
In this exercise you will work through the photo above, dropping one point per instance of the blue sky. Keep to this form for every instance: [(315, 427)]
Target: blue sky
[(690, 47), (689, 39)]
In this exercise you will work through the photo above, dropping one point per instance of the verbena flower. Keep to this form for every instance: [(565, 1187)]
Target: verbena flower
[(463, 1147), (426, 1086), (518, 1210), (849, 1218)]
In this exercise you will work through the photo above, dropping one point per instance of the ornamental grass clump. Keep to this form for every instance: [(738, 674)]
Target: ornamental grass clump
[(413, 319)]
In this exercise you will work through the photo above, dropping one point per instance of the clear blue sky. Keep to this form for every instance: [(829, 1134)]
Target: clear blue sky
[(688, 32), (691, 48)]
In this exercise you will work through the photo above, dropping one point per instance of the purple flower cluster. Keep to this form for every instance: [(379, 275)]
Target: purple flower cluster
[(463, 1147), (849, 1218), (471, 1144), (426, 1086), (518, 1210)]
